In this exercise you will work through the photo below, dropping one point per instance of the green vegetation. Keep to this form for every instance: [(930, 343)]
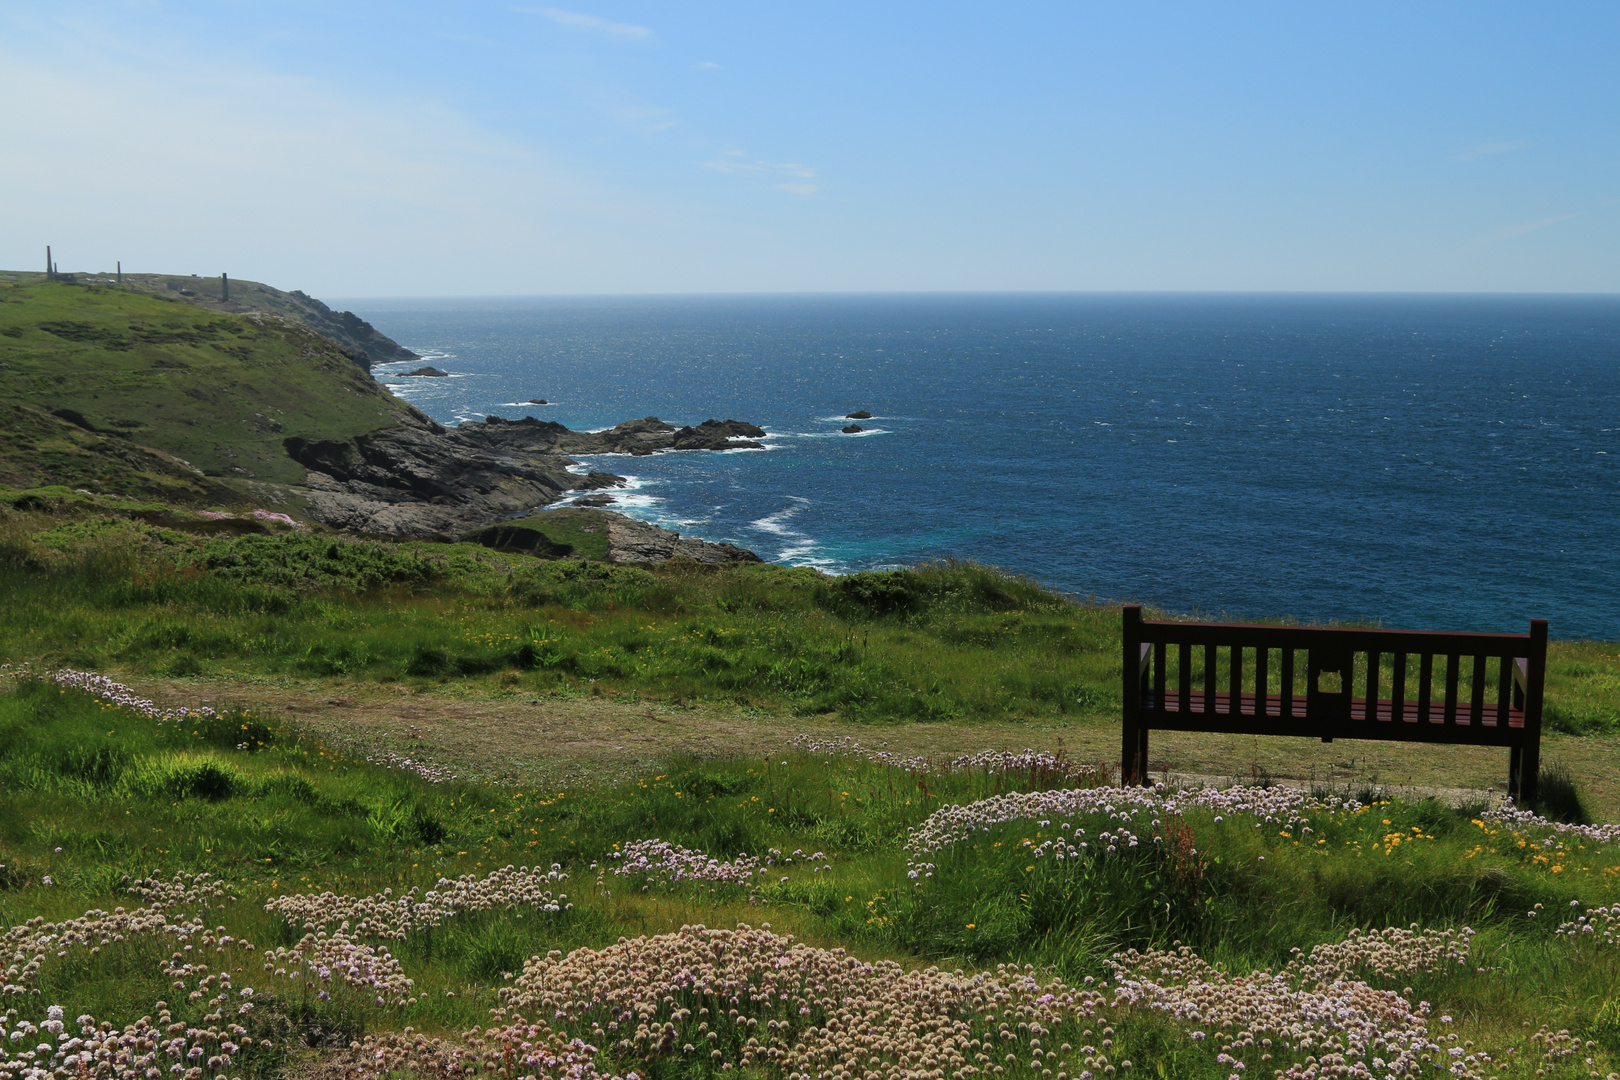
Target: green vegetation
[(114, 593), (556, 534), (128, 370), (96, 795), (153, 591)]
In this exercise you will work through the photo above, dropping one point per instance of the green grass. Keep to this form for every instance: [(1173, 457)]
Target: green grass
[(93, 795), (146, 590), (220, 391), (556, 534), (933, 643)]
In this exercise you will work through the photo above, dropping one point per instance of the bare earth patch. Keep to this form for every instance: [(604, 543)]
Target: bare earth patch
[(568, 741)]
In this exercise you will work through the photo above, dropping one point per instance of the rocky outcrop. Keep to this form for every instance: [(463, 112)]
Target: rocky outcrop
[(650, 435), (852, 429), (423, 480), (858, 414), (420, 479), (427, 373), (632, 541)]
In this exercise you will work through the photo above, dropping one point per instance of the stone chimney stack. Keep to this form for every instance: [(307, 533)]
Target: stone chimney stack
[(50, 267), (225, 288), (120, 272)]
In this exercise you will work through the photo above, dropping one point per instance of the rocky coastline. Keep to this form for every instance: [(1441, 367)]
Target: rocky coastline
[(419, 479)]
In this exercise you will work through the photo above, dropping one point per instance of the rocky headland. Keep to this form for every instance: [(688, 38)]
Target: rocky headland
[(420, 479), (263, 399)]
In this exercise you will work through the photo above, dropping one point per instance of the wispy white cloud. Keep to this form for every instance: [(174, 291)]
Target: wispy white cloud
[(729, 163), (733, 163), (645, 119), (1520, 229), (582, 21), (1474, 153), (705, 65)]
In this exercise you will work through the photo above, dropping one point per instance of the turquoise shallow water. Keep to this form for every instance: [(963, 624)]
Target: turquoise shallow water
[(1435, 462)]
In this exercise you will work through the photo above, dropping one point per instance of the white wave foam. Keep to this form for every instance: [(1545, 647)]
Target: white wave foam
[(776, 523), (798, 548), (623, 500)]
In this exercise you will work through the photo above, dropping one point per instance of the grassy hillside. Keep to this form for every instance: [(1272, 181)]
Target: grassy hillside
[(112, 592), (124, 591), (219, 391)]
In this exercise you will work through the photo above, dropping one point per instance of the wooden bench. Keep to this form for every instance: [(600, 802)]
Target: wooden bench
[(1397, 685)]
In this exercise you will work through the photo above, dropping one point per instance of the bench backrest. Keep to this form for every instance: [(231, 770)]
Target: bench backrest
[(1318, 680)]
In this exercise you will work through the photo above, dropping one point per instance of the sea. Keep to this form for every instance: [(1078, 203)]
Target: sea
[(1417, 461)]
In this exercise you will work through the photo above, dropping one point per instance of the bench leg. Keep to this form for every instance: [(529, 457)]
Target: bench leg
[(1529, 771), (1127, 754), (1515, 763), (1133, 756)]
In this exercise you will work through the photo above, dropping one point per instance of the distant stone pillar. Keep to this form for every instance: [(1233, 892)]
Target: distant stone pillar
[(224, 288), (50, 267), (120, 272)]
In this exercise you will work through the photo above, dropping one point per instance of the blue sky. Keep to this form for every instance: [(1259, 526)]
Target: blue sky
[(474, 148)]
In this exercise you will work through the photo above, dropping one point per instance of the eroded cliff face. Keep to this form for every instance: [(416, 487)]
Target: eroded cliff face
[(419, 479)]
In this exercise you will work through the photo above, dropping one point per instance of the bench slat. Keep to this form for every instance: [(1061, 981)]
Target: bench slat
[(1383, 712), (1453, 666), (1397, 690), (1317, 637), (1262, 684), (1288, 681), (1184, 660), (1372, 676), (1425, 684)]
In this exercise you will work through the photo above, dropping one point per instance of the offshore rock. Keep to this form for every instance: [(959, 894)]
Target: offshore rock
[(858, 414), (650, 435)]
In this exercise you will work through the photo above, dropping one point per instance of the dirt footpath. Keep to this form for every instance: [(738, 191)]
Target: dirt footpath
[(568, 741)]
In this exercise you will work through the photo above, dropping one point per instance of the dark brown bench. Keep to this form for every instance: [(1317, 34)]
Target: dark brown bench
[(1398, 685)]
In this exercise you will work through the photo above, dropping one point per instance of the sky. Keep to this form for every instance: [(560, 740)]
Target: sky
[(408, 148)]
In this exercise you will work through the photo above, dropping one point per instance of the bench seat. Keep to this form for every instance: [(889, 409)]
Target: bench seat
[(1408, 729)]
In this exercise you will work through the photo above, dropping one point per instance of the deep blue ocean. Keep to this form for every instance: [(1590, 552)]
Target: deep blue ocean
[(1431, 462)]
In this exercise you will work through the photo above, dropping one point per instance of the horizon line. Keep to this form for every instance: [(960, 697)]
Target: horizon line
[(897, 292)]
